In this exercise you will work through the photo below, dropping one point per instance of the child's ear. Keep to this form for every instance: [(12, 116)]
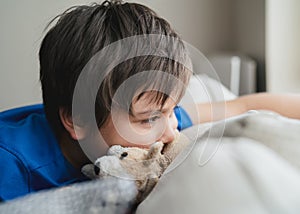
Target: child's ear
[(67, 122)]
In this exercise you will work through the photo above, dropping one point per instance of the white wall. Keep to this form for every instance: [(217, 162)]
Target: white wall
[(22, 24), (206, 24), (249, 34), (283, 45), (203, 23), (209, 25), (249, 30)]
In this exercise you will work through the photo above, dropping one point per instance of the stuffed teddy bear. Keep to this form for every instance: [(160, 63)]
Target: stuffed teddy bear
[(144, 166)]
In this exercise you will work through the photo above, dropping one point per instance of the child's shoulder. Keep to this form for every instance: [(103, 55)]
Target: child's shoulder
[(25, 133)]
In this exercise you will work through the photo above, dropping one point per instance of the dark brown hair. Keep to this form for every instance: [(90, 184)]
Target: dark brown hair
[(79, 34)]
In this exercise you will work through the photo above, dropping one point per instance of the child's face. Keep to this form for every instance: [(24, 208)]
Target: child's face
[(147, 124)]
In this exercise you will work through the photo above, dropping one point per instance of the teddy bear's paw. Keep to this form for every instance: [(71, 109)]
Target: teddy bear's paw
[(146, 186)]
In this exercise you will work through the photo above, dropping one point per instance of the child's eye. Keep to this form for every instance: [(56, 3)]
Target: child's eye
[(150, 120)]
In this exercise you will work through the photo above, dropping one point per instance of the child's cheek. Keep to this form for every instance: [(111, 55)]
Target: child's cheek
[(174, 121)]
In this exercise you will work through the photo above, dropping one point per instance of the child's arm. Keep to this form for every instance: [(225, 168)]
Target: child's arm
[(285, 104)]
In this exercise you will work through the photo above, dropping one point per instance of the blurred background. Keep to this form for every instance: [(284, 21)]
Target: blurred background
[(260, 35)]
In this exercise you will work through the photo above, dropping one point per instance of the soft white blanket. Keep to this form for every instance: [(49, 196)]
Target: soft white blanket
[(252, 168)]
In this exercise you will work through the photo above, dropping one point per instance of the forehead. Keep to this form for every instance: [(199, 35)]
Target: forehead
[(146, 104)]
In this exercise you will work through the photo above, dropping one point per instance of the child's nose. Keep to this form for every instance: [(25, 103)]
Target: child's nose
[(169, 134)]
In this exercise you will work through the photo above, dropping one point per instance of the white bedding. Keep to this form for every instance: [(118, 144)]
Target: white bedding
[(255, 170), (204, 89)]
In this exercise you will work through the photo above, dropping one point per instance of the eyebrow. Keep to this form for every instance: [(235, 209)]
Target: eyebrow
[(150, 111)]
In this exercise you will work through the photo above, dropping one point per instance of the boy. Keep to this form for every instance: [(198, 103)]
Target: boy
[(35, 155)]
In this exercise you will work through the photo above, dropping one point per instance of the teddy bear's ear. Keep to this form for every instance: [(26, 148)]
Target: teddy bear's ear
[(155, 150)]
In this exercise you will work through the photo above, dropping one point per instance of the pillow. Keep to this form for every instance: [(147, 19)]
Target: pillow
[(204, 89)]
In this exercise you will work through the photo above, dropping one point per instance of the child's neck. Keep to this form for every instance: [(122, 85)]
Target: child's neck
[(73, 152)]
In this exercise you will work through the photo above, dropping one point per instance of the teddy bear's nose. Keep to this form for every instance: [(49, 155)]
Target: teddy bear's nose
[(96, 170)]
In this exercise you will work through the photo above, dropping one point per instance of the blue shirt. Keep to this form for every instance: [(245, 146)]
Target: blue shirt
[(30, 156)]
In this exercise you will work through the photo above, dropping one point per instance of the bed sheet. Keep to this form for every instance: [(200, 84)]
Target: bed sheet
[(252, 168)]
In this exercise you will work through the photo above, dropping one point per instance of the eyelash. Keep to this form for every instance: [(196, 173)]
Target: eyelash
[(150, 120)]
